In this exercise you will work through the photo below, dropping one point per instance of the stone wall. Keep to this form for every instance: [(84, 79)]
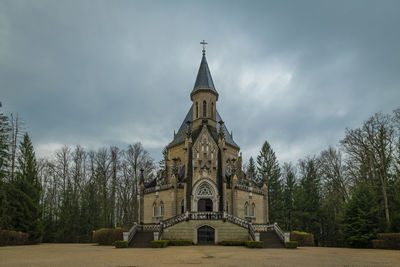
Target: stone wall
[(223, 230)]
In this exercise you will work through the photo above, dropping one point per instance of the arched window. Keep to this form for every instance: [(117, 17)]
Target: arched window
[(161, 209), (182, 206), (246, 209), (227, 206), (154, 210), (204, 108), (212, 110), (253, 210), (197, 110)]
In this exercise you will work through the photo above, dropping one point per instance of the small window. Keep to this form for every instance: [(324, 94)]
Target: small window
[(154, 210), (197, 110), (204, 108), (212, 110), (253, 210), (182, 206), (162, 209), (246, 207), (227, 206)]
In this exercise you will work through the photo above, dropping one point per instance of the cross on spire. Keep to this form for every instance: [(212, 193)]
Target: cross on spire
[(204, 46)]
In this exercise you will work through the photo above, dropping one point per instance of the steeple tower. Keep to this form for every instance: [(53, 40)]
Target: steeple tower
[(204, 95)]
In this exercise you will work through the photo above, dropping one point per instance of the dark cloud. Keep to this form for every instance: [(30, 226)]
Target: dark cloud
[(116, 72)]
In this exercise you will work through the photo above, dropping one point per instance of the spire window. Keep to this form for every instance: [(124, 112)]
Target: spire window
[(204, 108), (197, 110), (212, 110)]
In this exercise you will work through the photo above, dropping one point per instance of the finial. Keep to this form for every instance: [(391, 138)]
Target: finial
[(204, 46)]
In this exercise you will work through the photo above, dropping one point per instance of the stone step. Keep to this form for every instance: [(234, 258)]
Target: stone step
[(271, 240), (142, 240)]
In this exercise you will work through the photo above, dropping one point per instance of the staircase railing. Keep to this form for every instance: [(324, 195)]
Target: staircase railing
[(285, 237), (251, 232), (236, 220), (131, 233)]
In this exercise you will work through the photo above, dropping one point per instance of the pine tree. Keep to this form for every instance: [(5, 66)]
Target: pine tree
[(360, 219), (27, 182), (270, 174), (252, 170), (288, 195)]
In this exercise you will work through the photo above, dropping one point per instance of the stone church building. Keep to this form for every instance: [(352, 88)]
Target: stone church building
[(203, 194)]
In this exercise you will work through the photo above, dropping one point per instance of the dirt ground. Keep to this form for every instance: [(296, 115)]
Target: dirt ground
[(94, 255)]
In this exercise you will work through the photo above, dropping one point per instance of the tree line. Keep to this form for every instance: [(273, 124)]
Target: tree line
[(65, 197), (345, 194)]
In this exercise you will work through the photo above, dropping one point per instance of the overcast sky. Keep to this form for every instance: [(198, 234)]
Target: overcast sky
[(101, 73)]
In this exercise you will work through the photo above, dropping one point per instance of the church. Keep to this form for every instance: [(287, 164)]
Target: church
[(203, 194)]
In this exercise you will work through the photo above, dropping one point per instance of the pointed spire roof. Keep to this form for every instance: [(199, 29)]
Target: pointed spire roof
[(204, 80)]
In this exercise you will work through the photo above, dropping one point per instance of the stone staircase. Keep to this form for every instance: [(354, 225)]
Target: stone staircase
[(142, 240), (271, 240)]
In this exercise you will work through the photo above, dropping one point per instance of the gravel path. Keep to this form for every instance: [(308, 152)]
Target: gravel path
[(93, 255)]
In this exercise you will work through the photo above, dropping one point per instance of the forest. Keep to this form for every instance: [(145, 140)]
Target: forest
[(344, 195)]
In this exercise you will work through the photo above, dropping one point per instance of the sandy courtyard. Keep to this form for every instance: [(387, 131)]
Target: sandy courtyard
[(93, 255)]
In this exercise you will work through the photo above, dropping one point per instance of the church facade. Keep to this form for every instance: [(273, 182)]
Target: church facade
[(203, 194)]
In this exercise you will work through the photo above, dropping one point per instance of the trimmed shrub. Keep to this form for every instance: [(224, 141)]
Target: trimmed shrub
[(159, 243), (180, 243), (13, 238), (121, 244), (232, 243), (291, 244), (254, 244), (302, 238), (107, 236)]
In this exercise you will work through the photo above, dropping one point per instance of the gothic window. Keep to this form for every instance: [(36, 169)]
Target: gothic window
[(197, 110), (212, 110), (162, 209), (205, 191), (227, 206), (246, 207), (253, 210), (154, 210), (204, 108), (182, 206)]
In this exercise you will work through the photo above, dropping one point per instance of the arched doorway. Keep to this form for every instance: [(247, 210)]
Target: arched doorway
[(205, 204), (206, 235)]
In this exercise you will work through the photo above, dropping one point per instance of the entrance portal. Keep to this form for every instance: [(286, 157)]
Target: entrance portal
[(206, 235), (204, 204)]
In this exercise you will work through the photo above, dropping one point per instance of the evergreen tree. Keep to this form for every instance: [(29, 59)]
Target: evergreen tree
[(27, 182), (307, 198), (360, 219), (270, 174), (289, 174), (252, 170)]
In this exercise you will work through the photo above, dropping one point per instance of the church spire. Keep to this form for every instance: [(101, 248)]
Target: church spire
[(204, 80)]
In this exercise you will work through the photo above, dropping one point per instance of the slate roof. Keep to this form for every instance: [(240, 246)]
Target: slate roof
[(181, 134), (204, 80)]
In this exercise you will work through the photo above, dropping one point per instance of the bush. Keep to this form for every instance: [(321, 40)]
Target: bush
[(302, 238), (232, 243), (107, 236), (254, 244), (121, 244), (12, 238), (179, 243), (291, 244), (159, 243)]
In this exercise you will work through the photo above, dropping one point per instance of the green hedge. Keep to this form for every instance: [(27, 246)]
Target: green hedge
[(232, 243), (121, 244), (12, 238), (180, 243), (302, 238), (387, 241), (107, 236), (254, 244), (291, 244), (159, 244)]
